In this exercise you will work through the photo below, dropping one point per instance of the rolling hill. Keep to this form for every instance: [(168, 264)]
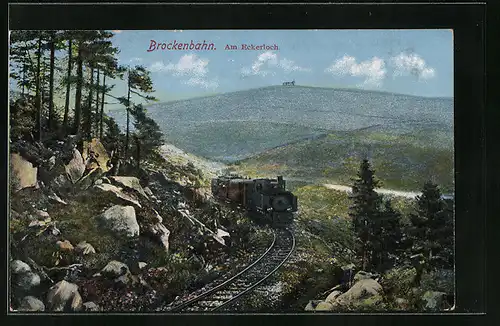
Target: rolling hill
[(312, 132), (402, 162)]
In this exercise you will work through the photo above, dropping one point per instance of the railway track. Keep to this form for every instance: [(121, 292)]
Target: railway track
[(226, 293)]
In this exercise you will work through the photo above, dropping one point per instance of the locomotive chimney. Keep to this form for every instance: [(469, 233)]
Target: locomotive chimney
[(281, 182)]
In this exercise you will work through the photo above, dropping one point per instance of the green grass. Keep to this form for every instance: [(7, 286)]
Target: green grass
[(77, 222), (402, 162), (225, 140), (320, 202)]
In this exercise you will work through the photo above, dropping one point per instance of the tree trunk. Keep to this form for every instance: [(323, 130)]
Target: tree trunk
[(68, 88), (78, 96), (128, 118), (24, 81), (102, 105), (96, 133), (37, 96), (51, 82), (138, 147), (88, 109), (364, 259)]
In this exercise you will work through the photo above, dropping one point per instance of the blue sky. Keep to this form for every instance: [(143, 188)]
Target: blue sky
[(416, 62)]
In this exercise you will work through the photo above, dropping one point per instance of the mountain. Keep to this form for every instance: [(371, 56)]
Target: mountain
[(401, 161), (233, 126)]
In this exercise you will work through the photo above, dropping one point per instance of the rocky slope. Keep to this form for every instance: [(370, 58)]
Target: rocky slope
[(83, 239)]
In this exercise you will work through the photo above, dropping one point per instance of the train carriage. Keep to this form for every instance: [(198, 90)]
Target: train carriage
[(265, 199)]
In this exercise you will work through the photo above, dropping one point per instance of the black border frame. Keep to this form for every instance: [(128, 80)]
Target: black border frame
[(468, 22)]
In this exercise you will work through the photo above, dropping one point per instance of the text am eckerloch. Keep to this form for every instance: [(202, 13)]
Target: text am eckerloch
[(254, 47)]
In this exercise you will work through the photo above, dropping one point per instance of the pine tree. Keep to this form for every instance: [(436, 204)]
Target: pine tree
[(85, 56), (139, 83), (432, 226), (113, 137), (364, 211), (68, 80), (101, 57), (108, 67), (390, 236), (53, 40), (113, 141), (38, 96), (23, 67), (79, 86), (27, 55), (147, 133)]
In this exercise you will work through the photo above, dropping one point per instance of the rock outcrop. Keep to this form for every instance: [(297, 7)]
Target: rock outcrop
[(363, 289), (122, 220), (23, 279), (28, 281), (64, 296), (130, 183), (159, 231), (85, 248), (433, 300), (311, 306), (90, 307), (118, 192), (24, 175), (114, 269), (30, 303), (365, 293), (95, 155), (64, 245), (332, 297), (19, 267), (76, 167), (324, 306)]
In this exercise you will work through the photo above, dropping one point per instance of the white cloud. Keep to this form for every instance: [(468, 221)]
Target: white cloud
[(190, 66), (411, 64), (289, 66), (373, 70), (266, 63)]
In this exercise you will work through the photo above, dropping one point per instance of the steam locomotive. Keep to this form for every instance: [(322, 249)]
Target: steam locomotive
[(266, 200)]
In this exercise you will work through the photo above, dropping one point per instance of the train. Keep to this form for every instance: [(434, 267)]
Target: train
[(266, 200)]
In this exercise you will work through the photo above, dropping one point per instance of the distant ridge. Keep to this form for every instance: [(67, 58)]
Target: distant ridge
[(339, 89)]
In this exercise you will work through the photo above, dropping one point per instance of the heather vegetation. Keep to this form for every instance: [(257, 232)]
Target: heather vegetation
[(405, 246), (108, 215), (102, 217)]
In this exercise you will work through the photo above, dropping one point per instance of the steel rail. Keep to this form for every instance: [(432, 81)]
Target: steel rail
[(225, 283), (253, 286)]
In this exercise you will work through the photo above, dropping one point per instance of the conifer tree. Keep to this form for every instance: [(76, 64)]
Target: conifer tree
[(113, 140), (364, 211), (101, 57), (432, 226), (79, 85), (139, 83), (147, 133), (23, 70), (38, 95), (108, 67), (23, 46), (84, 41), (68, 80), (390, 235)]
